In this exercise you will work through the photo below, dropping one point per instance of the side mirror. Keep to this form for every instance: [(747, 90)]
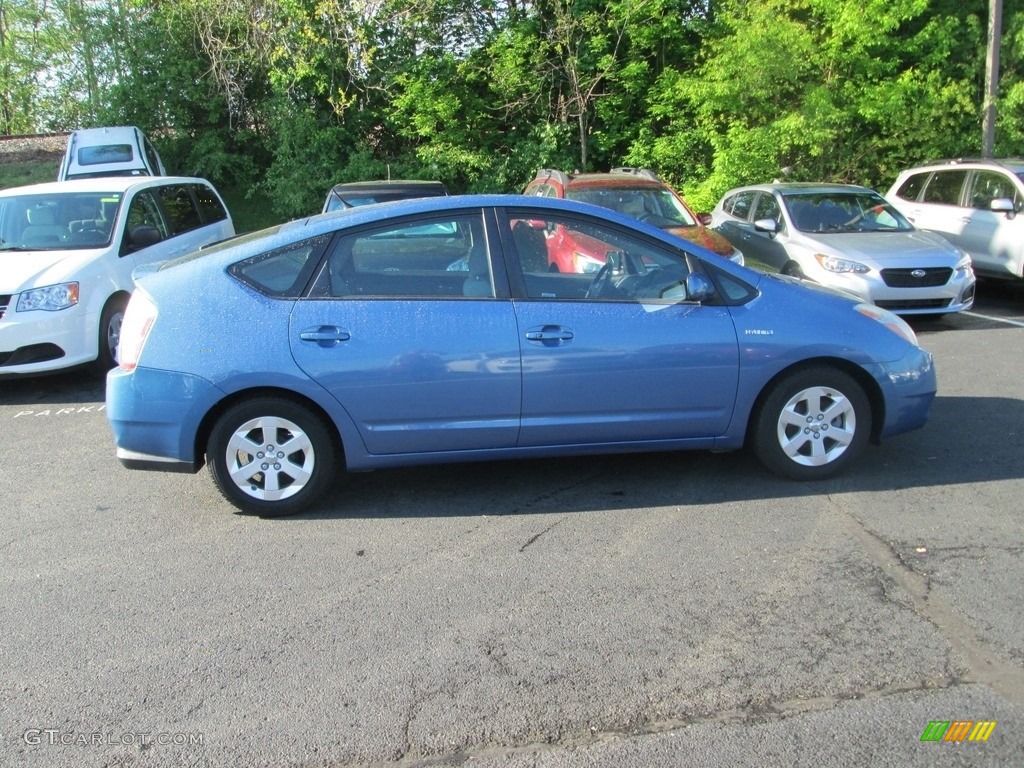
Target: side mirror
[(771, 226), (1003, 205), (704, 218), (698, 287)]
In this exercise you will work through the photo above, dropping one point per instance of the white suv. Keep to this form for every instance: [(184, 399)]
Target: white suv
[(975, 204), (67, 253)]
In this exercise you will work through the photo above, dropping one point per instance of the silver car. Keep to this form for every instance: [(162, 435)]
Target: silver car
[(849, 238)]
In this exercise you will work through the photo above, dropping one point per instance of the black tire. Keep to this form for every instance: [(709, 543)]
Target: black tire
[(304, 456), (110, 332), (792, 269), (812, 424)]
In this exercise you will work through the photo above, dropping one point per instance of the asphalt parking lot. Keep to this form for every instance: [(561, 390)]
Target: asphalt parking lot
[(640, 610)]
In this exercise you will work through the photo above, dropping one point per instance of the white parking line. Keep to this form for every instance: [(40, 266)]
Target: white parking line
[(1018, 323)]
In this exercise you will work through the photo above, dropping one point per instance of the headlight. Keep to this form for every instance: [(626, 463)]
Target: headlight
[(835, 264), (894, 323), (964, 263), (51, 298), (585, 264)]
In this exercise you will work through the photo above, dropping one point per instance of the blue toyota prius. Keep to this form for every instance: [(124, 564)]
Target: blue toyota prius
[(438, 330)]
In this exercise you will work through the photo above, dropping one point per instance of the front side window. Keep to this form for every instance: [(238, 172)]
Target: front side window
[(767, 208), (987, 186), (609, 264), (144, 212), (429, 257)]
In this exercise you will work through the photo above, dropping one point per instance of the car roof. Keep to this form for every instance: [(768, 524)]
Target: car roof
[(616, 177), (1013, 164), (101, 184), (389, 184), (808, 187)]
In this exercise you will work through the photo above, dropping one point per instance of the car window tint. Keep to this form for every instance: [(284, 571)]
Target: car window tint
[(182, 214), (143, 212), (987, 186), (911, 188), (739, 205), (283, 272), (210, 205), (609, 264), (767, 208), (945, 187), (441, 256)]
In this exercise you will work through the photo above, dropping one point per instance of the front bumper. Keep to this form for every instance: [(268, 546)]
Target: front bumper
[(39, 341), (956, 295), (909, 387)]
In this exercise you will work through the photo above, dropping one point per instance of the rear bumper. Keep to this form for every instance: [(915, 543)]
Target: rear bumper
[(155, 417)]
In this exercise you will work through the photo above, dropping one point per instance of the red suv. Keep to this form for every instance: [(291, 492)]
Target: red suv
[(636, 192)]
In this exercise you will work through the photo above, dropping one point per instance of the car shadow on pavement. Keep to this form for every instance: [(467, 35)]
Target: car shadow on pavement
[(81, 385), (954, 448)]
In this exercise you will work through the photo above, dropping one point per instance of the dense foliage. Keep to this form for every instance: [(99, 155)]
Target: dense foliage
[(290, 96)]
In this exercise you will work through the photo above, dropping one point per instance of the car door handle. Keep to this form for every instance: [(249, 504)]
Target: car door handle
[(549, 333), (325, 335)]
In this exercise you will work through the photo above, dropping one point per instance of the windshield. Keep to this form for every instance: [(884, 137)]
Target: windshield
[(819, 212), (57, 221), (655, 205)]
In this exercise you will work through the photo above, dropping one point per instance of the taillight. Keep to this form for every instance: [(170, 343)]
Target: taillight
[(138, 320)]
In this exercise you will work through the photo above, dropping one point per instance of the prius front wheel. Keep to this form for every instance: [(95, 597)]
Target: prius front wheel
[(812, 424), (271, 456)]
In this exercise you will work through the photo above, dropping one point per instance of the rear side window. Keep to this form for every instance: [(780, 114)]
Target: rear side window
[(284, 272), (945, 187), (739, 205), (209, 204), (182, 214), (108, 153)]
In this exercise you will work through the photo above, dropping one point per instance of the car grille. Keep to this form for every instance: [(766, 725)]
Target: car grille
[(914, 304), (4, 303), (905, 278)]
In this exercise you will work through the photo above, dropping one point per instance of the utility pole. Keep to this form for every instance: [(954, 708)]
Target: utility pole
[(995, 25)]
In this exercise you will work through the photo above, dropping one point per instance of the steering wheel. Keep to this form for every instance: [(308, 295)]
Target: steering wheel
[(617, 265)]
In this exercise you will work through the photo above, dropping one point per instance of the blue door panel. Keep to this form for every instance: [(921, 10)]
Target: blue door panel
[(612, 372), (416, 375)]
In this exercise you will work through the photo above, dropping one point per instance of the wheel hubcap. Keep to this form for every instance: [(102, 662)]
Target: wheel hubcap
[(270, 458), (816, 426)]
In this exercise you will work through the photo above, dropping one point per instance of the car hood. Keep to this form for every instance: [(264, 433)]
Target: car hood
[(705, 238), (27, 269), (890, 249)]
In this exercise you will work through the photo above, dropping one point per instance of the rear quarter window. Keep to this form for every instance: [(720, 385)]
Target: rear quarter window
[(283, 272)]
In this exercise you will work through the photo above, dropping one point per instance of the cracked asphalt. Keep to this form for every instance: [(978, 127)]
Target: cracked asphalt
[(640, 610)]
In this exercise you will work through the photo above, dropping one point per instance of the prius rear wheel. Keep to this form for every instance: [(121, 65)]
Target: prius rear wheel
[(271, 456)]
